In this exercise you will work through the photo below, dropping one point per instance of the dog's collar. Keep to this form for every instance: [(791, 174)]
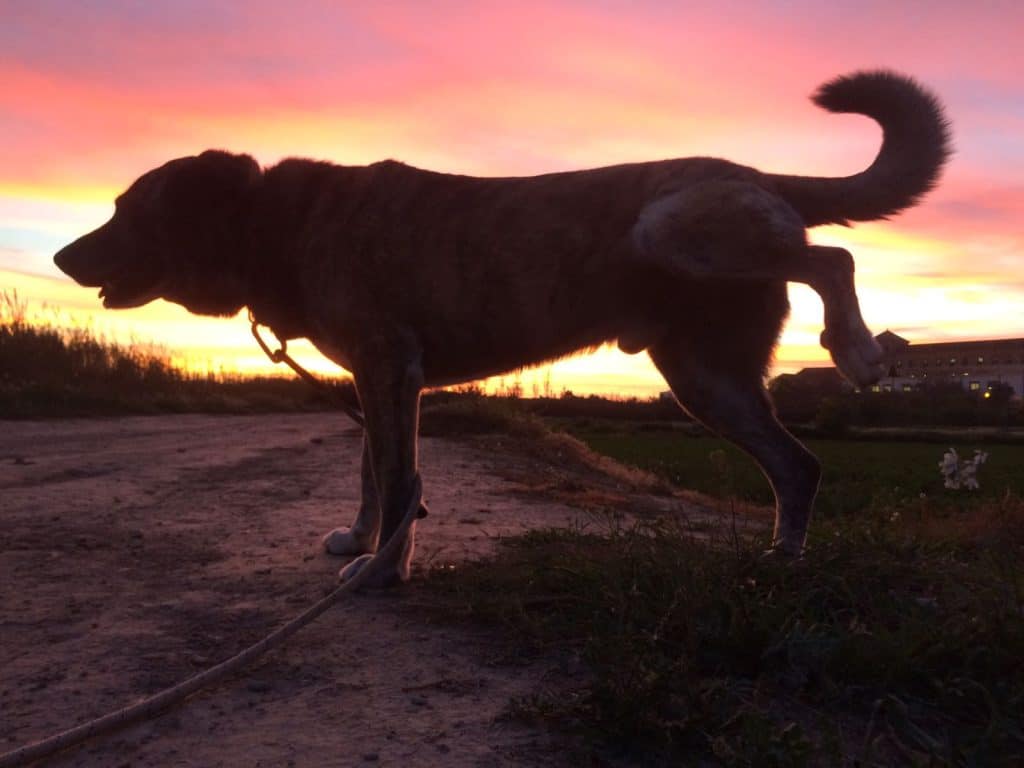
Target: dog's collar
[(266, 314)]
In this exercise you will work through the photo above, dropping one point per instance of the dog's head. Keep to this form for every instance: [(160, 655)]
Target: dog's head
[(179, 232)]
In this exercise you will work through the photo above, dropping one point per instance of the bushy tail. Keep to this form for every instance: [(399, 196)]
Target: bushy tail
[(915, 146)]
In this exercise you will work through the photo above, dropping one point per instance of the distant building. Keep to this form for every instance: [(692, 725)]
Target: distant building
[(977, 366), (974, 365)]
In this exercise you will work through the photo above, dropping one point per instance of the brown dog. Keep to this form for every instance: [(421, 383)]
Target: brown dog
[(410, 278)]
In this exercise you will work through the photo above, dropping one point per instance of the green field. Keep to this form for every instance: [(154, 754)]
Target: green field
[(856, 474), (895, 640)]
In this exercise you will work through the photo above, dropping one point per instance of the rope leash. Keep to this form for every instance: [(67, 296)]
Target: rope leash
[(344, 397), (168, 697)]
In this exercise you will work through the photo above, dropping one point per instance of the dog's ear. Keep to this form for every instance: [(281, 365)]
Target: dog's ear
[(214, 180), (230, 169)]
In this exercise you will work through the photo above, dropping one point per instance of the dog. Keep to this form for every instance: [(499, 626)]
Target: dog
[(410, 278)]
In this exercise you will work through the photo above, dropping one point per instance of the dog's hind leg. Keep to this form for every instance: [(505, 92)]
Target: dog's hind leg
[(389, 385), (729, 229), (737, 230), (736, 406), (362, 537), (829, 271)]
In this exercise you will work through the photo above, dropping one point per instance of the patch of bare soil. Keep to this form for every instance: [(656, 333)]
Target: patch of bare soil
[(135, 552)]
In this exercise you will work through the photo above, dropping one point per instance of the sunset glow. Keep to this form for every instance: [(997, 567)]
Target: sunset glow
[(94, 94)]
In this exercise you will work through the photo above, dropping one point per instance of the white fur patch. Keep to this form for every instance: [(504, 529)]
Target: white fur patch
[(395, 570), (349, 541)]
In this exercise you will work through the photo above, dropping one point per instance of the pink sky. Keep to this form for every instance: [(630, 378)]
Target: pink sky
[(92, 95)]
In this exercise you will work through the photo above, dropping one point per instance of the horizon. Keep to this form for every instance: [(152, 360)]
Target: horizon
[(94, 97)]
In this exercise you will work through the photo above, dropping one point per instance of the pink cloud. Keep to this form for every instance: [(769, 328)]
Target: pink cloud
[(545, 79), (94, 94)]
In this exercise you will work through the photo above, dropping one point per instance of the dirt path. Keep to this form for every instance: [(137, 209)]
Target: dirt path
[(138, 551)]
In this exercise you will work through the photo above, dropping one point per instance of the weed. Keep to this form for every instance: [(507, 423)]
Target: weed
[(882, 644), (49, 369)]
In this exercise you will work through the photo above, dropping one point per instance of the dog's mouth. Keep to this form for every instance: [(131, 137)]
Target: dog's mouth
[(127, 292)]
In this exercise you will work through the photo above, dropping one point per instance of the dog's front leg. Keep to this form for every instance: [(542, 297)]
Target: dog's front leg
[(389, 382), (362, 537)]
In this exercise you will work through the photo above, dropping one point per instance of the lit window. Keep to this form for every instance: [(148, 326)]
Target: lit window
[(887, 388), (952, 361), (907, 388), (975, 386), (875, 388), (981, 360)]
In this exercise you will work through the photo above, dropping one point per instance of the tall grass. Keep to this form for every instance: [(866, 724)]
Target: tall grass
[(48, 355), (52, 368)]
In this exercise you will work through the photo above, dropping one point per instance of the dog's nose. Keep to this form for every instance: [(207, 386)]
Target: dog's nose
[(74, 261), (77, 259), (61, 260)]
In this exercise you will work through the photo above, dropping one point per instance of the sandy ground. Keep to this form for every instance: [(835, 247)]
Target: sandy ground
[(135, 552)]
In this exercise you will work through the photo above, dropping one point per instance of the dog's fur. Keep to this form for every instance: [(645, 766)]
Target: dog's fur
[(410, 278)]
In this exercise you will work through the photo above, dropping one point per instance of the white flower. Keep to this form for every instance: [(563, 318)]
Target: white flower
[(949, 468), (950, 462), (957, 472)]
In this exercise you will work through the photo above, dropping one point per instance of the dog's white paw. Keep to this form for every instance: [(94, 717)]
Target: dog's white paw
[(856, 354), (346, 541), (395, 568), (384, 575)]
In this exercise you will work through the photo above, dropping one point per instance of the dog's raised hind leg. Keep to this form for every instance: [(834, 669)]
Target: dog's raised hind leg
[(737, 230), (362, 537), (829, 271)]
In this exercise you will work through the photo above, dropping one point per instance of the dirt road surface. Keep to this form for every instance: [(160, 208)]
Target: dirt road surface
[(135, 552)]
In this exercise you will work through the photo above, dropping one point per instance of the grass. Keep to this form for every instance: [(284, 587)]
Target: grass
[(466, 415), (49, 369), (896, 640), (885, 645), (856, 474)]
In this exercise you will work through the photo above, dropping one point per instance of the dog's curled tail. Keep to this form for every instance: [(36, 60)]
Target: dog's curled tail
[(915, 146)]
